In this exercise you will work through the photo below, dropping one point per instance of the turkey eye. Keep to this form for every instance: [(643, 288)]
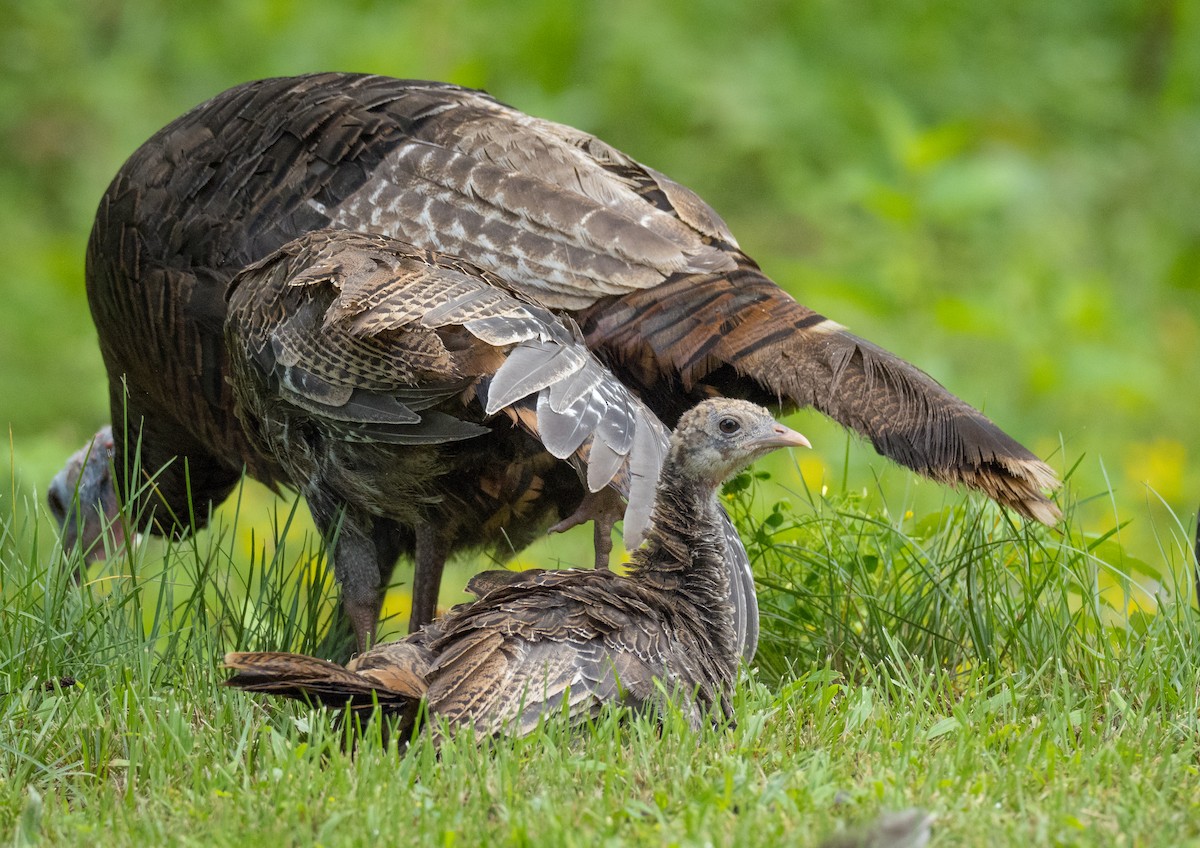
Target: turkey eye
[(57, 508), (729, 426)]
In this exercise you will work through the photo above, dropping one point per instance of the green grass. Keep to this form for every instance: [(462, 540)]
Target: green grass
[(991, 673)]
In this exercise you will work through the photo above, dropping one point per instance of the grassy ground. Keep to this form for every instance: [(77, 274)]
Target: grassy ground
[(991, 674)]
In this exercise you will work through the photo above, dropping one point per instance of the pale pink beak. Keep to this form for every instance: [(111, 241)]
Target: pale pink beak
[(784, 437)]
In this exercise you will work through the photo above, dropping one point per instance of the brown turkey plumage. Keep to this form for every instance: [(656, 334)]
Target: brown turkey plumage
[(373, 376), (650, 273), (538, 643)]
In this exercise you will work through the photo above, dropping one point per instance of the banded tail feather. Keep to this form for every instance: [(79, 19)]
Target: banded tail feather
[(741, 335), (306, 678)]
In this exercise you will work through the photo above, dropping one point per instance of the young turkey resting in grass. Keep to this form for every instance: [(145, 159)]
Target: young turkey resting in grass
[(650, 272), (537, 643)]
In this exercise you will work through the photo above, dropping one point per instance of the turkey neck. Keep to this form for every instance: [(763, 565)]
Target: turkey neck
[(684, 552)]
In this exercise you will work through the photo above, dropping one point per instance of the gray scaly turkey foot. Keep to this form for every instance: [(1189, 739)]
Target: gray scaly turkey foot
[(605, 508)]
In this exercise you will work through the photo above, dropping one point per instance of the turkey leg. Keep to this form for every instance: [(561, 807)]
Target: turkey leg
[(429, 562), (605, 508)]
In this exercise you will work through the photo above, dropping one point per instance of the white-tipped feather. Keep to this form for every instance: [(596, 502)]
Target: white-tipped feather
[(645, 465)]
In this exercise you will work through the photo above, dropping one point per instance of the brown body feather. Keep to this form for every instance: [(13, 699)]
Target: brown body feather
[(377, 377)]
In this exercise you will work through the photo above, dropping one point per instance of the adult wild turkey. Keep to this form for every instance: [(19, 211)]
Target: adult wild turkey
[(651, 274), (537, 643)]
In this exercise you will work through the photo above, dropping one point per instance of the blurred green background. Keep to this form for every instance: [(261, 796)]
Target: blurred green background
[(1006, 194)]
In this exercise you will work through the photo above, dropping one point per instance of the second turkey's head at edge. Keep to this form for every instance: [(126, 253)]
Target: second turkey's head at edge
[(718, 438)]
